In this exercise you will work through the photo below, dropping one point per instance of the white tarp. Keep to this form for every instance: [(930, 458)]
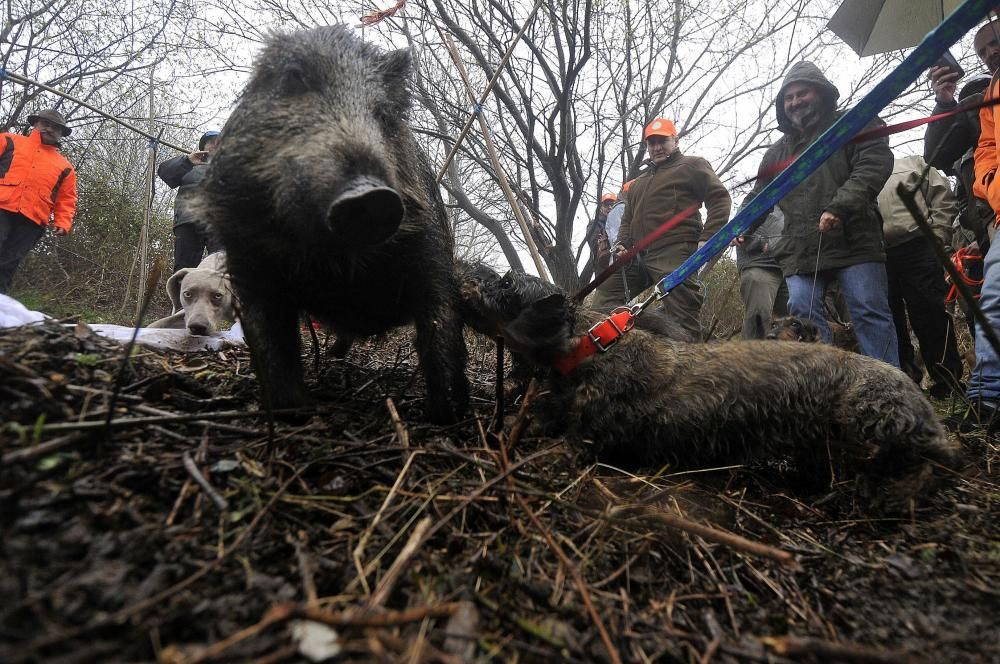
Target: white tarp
[(15, 314)]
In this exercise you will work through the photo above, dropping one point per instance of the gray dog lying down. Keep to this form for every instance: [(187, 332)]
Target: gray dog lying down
[(201, 296), (650, 400)]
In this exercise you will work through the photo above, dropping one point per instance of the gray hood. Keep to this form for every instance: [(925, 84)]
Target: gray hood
[(804, 72)]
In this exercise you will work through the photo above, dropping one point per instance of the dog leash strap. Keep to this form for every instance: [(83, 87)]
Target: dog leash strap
[(599, 338)]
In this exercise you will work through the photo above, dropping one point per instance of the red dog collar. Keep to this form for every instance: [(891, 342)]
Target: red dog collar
[(600, 337)]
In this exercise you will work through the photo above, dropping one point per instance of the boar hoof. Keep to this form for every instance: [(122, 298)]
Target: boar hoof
[(367, 212)]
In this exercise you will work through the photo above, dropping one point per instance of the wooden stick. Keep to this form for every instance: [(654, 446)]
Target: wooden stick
[(220, 502), (404, 435), (189, 417), (383, 619), (495, 160), (388, 582), (708, 533), (29, 453), (798, 646), (363, 541)]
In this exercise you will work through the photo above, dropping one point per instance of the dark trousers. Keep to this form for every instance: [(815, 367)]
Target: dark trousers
[(764, 296), (917, 289), (682, 306), (191, 241), (18, 236)]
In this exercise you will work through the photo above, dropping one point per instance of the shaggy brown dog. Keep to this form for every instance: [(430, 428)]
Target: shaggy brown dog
[(650, 400)]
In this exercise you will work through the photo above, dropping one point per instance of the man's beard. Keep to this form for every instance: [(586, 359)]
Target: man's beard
[(803, 116)]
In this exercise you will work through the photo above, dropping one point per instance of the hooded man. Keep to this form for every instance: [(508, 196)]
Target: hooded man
[(185, 173), (37, 189), (672, 182), (832, 226)]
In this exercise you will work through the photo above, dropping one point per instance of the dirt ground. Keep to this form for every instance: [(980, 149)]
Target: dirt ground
[(350, 534)]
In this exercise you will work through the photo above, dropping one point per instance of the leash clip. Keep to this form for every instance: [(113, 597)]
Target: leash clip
[(604, 338)]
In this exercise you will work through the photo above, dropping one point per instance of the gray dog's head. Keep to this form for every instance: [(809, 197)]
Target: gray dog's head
[(206, 297)]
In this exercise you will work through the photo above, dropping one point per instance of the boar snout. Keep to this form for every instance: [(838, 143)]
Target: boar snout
[(366, 212)]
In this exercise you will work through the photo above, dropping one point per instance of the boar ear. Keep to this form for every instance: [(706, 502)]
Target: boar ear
[(395, 66)]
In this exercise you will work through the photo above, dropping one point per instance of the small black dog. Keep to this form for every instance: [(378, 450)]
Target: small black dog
[(650, 400), (790, 328)]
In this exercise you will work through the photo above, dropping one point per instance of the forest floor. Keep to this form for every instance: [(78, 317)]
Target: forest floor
[(354, 533)]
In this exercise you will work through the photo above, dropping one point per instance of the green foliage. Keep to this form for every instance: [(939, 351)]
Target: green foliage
[(722, 312)]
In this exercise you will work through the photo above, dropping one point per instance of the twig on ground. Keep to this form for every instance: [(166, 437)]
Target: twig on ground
[(29, 453), (388, 582), (305, 569), (799, 646), (363, 540), (397, 422), (672, 520), (220, 502)]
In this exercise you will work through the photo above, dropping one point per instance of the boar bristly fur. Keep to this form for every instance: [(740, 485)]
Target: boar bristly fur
[(326, 205)]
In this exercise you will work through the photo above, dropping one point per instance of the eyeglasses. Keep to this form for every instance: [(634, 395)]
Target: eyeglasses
[(608, 204)]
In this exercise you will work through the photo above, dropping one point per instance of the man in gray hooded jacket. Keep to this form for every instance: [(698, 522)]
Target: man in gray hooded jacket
[(832, 226)]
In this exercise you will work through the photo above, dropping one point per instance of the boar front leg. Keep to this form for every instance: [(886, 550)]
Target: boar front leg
[(275, 344), (442, 352)]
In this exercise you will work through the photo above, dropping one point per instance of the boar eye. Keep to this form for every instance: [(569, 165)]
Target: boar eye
[(217, 297), (507, 282), (186, 295)]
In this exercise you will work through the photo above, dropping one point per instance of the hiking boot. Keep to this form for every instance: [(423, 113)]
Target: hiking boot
[(982, 415)]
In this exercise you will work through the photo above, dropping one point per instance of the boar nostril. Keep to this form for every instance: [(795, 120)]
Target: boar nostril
[(198, 330), (367, 212)]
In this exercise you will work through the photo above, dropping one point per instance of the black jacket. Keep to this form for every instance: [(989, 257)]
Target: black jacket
[(179, 173), (846, 185)]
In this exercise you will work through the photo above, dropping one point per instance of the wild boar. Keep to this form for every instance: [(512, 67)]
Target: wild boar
[(326, 204)]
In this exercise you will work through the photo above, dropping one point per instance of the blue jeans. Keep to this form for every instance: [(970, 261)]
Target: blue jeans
[(866, 290), (984, 385)]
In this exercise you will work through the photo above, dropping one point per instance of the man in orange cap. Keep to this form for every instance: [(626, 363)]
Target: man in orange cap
[(672, 182), (37, 189)]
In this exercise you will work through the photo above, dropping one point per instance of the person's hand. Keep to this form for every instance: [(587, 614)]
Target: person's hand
[(738, 241), (828, 221), (702, 243), (199, 157), (618, 249), (944, 82), (58, 231)]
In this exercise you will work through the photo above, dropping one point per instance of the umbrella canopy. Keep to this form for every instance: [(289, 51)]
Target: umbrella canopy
[(877, 26)]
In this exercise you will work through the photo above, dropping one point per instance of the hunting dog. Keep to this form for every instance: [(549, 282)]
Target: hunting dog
[(790, 328), (201, 297), (650, 400)]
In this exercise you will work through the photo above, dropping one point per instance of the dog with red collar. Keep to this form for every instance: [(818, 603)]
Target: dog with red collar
[(646, 400)]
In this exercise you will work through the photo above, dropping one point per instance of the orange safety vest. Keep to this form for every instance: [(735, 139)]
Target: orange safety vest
[(36, 180)]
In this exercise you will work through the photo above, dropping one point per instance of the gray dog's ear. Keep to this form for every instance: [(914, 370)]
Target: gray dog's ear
[(174, 288)]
